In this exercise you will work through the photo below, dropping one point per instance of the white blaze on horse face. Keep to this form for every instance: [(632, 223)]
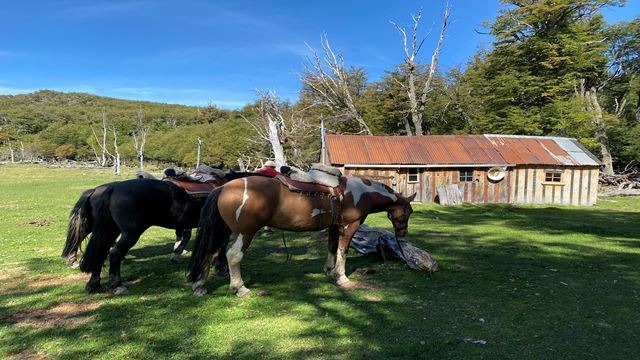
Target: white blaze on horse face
[(245, 196), (316, 212), (358, 188)]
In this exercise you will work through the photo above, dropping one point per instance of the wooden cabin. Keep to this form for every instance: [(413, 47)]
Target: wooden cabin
[(509, 169)]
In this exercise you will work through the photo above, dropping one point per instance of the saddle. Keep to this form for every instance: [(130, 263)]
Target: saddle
[(193, 188), (315, 189)]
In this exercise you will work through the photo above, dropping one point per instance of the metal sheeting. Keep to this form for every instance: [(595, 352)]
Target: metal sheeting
[(412, 150), (487, 150)]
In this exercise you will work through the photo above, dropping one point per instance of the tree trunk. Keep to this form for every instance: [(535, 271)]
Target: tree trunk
[(104, 139), (601, 131), (13, 159), (198, 157), (116, 157), (276, 146), (416, 115)]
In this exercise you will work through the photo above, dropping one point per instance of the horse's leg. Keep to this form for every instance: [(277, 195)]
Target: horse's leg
[(221, 264), (341, 254), (116, 254), (234, 257), (93, 285), (330, 264), (179, 247)]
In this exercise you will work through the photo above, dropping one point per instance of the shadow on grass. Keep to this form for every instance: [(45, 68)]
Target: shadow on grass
[(531, 282)]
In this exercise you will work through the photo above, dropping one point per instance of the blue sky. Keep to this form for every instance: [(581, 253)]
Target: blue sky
[(199, 52)]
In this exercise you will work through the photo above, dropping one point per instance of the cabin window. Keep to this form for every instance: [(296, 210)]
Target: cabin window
[(413, 176), (466, 175), (553, 176)]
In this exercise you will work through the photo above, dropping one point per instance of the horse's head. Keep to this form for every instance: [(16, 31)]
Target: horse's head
[(399, 214)]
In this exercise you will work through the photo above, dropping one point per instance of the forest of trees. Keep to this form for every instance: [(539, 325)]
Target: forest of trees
[(553, 68)]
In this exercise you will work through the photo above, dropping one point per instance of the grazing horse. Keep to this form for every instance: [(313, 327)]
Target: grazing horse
[(235, 211)]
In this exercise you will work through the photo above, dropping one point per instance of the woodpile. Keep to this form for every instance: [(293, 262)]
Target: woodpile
[(625, 183)]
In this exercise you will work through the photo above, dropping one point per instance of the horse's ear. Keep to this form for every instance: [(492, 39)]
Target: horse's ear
[(411, 197)]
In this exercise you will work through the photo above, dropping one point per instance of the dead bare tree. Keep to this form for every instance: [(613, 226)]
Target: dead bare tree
[(278, 123), (11, 152), (593, 104), (116, 157), (104, 139), (328, 78), (199, 142), (140, 132), (103, 146), (412, 46)]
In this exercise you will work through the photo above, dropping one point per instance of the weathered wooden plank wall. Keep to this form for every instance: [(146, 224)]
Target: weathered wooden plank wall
[(521, 185), (578, 186)]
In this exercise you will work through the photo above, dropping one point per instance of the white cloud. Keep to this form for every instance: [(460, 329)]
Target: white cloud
[(4, 90)]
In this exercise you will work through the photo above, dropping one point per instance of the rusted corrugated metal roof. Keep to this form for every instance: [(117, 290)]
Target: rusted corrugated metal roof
[(433, 150), (542, 150)]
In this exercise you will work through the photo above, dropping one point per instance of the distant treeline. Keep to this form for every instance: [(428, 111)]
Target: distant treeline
[(555, 68)]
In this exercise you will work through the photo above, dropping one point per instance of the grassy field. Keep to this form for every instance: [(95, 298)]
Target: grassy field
[(514, 282)]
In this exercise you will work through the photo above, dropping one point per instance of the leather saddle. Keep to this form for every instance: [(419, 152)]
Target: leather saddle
[(313, 188), (196, 189)]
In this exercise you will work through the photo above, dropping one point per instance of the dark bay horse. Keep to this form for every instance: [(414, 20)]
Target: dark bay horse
[(235, 211), (126, 209)]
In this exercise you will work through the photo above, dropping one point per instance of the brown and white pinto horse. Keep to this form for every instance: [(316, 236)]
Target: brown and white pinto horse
[(237, 210)]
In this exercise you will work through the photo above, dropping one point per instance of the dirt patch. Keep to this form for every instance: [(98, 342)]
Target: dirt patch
[(39, 222), (53, 280), (28, 355), (69, 315), (360, 284)]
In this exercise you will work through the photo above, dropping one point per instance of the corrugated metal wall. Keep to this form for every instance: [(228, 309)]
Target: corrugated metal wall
[(521, 185)]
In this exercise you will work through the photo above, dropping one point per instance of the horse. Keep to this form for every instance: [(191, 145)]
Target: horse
[(234, 212), (126, 209)]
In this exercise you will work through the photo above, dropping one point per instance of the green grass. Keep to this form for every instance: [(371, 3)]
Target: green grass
[(533, 282)]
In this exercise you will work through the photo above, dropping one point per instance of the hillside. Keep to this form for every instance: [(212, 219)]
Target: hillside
[(52, 124)]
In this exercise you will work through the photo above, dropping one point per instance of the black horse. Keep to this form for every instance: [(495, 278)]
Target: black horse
[(126, 209)]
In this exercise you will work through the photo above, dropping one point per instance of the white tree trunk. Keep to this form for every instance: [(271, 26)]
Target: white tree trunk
[(601, 131), (116, 157), (104, 139), (276, 146), (198, 157)]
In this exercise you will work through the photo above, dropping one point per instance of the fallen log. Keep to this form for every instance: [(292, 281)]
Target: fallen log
[(620, 192), (382, 242)]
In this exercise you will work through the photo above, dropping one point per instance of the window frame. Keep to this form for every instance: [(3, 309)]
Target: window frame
[(553, 176), (409, 175), (466, 175)]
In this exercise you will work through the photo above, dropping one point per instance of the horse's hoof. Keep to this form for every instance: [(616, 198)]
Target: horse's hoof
[(120, 290), (75, 265), (176, 259), (243, 292), (94, 289), (200, 292)]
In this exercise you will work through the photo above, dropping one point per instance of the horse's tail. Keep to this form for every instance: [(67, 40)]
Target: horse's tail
[(101, 235), (80, 222), (211, 237)]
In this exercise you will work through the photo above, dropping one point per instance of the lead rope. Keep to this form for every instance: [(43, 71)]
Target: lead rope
[(285, 247), (395, 236)]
